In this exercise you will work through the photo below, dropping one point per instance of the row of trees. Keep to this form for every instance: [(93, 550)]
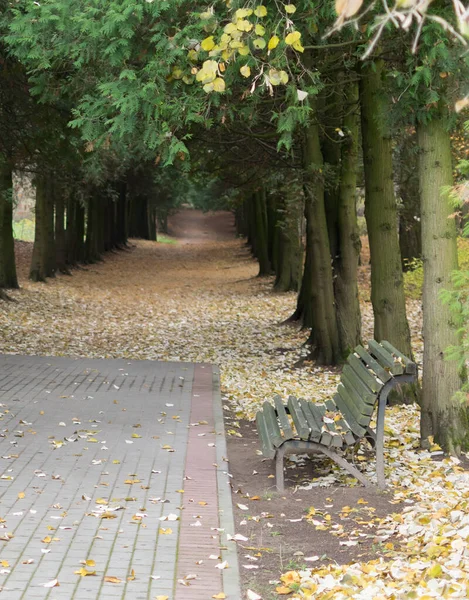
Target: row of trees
[(132, 100)]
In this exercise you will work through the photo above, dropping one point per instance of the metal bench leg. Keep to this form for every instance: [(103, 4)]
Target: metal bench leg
[(312, 447), (279, 474)]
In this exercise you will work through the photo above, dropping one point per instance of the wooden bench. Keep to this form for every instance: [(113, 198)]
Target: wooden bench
[(339, 423)]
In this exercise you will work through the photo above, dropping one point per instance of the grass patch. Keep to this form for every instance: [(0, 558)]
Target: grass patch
[(23, 230), (165, 239)]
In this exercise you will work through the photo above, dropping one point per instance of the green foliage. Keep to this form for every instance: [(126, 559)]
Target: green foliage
[(413, 279)]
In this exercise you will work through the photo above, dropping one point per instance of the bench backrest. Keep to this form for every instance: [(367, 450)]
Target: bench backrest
[(363, 377)]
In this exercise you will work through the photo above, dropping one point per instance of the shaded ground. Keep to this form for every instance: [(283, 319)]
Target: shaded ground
[(299, 528)]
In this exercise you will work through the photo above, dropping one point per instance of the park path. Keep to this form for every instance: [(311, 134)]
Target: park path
[(118, 462)]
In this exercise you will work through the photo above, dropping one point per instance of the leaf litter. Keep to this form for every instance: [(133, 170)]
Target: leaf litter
[(202, 303)]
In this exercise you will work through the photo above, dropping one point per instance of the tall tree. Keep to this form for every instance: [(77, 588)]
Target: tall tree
[(443, 414), (387, 289)]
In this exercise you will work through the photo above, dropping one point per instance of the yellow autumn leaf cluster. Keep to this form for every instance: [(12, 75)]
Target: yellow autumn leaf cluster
[(293, 39)]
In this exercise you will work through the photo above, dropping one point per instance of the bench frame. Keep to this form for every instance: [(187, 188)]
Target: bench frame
[(376, 438)]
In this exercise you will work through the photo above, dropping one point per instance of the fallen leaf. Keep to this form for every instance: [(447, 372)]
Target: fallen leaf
[(84, 572), (112, 579)]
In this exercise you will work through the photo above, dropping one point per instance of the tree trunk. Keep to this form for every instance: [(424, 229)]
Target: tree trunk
[(60, 240), (410, 230), (261, 232), (387, 290), (443, 415), (348, 238), (43, 258), (324, 335), (121, 234), (331, 150), (8, 277), (289, 254)]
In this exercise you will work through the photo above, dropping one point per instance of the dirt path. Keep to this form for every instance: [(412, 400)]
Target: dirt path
[(195, 226)]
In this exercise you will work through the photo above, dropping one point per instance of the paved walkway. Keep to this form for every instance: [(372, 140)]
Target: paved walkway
[(119, 463)]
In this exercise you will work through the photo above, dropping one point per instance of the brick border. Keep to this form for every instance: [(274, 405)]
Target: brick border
[(200, 486)]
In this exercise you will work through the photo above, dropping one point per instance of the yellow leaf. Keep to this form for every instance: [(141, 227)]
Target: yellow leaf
[(276, 78), (260, 11), (282, 589), (273, 42), (290, 577), (111, 579), (244, 50), (90, 563), (230, 28), (84, 572), (259, 43), (219, 85), (244, 25), (162, 598), (102, 501), (131, 577), (93, 440), (21, 495), (434, 571), (47, 540), (297, 46), (241, 13), (164, 531), (135, 435), (116, 462), (220, 596), (290, 8), (4, 563), (259, 29), (245, 72), (132, 481), (292, 37), (202, 502), (208, 44)]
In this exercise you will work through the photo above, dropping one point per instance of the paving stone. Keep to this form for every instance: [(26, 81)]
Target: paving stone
[(65, 429)]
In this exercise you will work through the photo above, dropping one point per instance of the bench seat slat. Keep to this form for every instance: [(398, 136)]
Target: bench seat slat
[(268, 449), (314, 425), (301, 425), (271, 423), (283, 418), (344, 427), (331, 437)]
